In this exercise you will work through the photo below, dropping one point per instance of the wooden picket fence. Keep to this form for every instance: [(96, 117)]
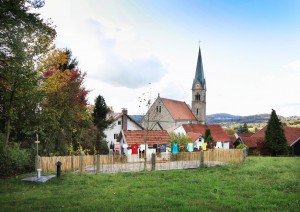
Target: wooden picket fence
[(122, 163)]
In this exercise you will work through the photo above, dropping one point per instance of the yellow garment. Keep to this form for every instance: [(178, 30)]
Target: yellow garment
[(204, 146)]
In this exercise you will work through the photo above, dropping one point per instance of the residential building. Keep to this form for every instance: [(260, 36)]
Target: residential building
[(292, 135), (122, 121), (197, 131)]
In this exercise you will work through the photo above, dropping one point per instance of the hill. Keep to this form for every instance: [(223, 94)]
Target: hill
[(228, 118)]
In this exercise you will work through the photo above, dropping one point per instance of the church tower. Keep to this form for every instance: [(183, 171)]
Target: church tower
[(199, 92)]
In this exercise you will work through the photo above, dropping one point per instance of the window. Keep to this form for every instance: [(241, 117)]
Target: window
[(197, 111), (158, 109), (197, 97), (119, 122), (116, 136)]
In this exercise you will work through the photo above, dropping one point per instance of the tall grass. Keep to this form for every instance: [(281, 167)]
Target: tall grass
[(260, 184)]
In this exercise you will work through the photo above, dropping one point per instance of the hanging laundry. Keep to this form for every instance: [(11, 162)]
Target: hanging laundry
[(134, 148), (204, 146), (162, 147), (124, 148), (190, 147), (142, 147), (175, 149)]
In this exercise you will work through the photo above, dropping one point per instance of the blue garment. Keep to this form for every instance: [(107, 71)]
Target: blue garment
[(190, 147), (175, 149), (162, 147)]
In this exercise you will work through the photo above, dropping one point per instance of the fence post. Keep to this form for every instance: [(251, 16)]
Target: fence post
[(98, 164), (72, 163), (81, 164), (244, 154), (153, 162), (201, 158)]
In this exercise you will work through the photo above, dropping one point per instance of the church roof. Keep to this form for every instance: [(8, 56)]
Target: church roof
[(199, 75), (178, 110), (216, 130)]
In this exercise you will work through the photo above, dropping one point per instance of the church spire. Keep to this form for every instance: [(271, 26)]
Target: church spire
[(199, 75)]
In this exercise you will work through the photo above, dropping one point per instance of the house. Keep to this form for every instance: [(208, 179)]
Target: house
[(167, 114), (136, 141), (292, 135), (249, 141), (121, 121), (197, 132)]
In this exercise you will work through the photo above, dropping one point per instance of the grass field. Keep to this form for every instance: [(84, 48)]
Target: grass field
[(260, 184)]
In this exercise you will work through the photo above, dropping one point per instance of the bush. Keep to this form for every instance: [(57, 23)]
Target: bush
[(242, 146), (14, 160)]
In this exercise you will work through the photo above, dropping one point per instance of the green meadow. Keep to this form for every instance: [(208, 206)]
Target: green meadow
[(259, 184)]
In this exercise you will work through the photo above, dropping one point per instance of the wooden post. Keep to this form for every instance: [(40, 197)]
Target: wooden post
[(81, 164), (98, 164), (201, 158), (244, 154), (72, 163), (153, 162)]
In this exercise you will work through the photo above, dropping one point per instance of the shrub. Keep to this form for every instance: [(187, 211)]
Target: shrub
[(242, 146), (14, 160)]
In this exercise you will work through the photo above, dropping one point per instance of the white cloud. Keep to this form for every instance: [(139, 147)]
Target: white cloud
[(294, 66)]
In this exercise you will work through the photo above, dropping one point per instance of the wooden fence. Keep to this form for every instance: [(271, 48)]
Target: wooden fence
[(122, 163)]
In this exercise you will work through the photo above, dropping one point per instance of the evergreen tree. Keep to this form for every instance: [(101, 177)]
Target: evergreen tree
[(208, 138), (101, 121), (275, 139), (243, 129)]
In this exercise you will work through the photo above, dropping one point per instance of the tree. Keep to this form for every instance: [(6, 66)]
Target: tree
[(64, 107), (24, 38), (275, 139), (181, 140), (243, 129), (209, 139), (101, 121)]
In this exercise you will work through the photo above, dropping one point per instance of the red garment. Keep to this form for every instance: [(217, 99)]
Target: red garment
[(135, 149)]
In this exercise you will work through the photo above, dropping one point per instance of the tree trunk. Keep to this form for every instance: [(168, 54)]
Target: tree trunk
[(7, 129), (8, 115)]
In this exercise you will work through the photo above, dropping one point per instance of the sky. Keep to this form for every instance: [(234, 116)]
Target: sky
[(133, 50)]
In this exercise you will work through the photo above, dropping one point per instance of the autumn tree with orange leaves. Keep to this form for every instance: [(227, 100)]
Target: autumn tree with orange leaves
[(64, 107)]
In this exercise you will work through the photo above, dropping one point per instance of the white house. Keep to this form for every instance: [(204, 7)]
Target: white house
[(197, 131), (122, 121)]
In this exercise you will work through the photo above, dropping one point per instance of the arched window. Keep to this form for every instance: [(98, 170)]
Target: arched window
[(197, 97)]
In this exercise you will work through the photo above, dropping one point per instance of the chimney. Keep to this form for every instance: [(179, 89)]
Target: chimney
[(124, 118)]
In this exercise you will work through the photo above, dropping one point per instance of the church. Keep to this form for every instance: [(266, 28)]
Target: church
[(167, 114)]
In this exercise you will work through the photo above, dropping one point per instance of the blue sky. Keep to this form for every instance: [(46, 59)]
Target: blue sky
[(250, 51)]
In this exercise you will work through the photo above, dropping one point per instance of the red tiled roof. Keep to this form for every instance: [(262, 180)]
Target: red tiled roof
[(216, 130), (154, 136), (194, 136), (245, 134), (251, 141), (292, 134), (178, 110), (232, 138)]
